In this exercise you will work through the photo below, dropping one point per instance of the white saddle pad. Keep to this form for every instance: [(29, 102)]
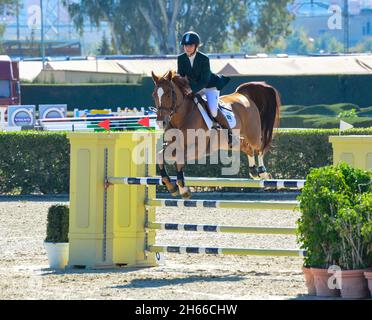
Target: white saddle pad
[(229, 115)]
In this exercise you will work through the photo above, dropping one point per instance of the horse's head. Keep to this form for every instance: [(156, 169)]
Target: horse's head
[(165, 95)]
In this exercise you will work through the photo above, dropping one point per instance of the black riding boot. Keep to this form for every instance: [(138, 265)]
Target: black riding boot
[(220, 118)]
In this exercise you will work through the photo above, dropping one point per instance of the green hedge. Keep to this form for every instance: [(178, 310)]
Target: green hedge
[(323, 116), (317, 122), (301, 90), (33, 161), (320, 109), (291, 156)]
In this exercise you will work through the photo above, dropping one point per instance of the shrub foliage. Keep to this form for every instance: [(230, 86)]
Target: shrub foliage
[(57, 225)]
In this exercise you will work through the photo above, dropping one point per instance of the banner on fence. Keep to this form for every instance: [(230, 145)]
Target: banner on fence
[(21, 115), (52, 111)]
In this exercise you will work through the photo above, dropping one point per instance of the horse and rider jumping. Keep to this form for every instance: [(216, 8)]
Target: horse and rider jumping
[(255, 105)]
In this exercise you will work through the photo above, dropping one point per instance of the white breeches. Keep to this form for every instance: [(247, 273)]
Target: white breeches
[(213, 96)]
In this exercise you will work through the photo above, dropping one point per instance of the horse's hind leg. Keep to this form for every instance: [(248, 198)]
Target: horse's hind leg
[(262, 172), (252, 168)]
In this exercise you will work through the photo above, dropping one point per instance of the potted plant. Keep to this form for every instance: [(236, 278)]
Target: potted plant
[(56, 242), (354, 258), (316, 233), (327, 191), (367, 233), (309, 280)]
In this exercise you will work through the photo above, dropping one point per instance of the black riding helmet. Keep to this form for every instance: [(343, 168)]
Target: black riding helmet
[(190, 37)]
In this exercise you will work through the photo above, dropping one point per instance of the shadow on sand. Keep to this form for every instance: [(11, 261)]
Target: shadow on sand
[(156, 283)]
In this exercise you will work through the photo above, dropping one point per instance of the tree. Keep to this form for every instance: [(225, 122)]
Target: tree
[(328, 43), (364, 46), (298, 42), (148, 26), (249, 47), (129, 33), (105, 47), (273, 22), (6, 7)]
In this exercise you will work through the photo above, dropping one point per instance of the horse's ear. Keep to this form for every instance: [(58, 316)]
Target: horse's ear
[(168, 75), (154, 77)]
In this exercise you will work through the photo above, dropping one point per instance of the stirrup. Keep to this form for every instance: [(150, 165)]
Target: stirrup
[(216, 125)]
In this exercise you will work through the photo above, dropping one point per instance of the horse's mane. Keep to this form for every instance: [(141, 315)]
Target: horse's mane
[(180, 82)]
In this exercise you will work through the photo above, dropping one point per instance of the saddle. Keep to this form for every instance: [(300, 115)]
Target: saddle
[(204, 103)]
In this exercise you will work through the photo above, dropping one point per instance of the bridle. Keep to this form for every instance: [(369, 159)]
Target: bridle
[(173, 108)]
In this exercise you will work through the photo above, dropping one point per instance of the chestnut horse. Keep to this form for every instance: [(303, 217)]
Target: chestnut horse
[(255, 106)]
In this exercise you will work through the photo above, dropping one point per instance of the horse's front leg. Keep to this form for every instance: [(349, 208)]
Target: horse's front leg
[(172, 187), (184, 190)]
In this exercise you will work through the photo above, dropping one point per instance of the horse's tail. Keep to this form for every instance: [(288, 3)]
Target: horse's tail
[(267, 100)]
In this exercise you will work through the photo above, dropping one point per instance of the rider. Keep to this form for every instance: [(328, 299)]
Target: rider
[(195, 65)]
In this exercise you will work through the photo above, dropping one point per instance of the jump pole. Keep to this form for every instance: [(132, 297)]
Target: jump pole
[(214, 182), (227, 251), (219, 228)]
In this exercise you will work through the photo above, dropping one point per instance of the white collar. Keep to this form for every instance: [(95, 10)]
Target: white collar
[(192, 58)]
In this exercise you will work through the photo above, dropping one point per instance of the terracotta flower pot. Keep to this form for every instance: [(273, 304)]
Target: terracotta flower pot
[(309, 280), (321, 277), (368, 276), (354, 285)]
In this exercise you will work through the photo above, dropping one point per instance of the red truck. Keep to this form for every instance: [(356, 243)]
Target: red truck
[(10, 88)]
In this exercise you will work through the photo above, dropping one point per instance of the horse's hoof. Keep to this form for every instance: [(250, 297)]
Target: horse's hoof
[(253, 172), (184, 191), (174, 192), (254, 177), (186, 195), (263, 174), (173, 189)]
